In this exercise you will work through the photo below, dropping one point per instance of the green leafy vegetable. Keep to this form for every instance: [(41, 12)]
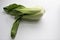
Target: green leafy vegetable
[(21, 12)]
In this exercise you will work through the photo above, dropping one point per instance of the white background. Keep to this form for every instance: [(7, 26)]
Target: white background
[(48, 28)]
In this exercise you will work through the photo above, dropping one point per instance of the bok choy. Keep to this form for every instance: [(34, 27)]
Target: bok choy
[(24, 13)]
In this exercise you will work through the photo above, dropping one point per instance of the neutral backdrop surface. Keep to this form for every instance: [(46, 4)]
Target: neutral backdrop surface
[(48, 28)]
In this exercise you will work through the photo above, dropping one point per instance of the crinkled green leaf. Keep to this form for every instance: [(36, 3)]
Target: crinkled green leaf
[(15, 27), (10, 9)]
